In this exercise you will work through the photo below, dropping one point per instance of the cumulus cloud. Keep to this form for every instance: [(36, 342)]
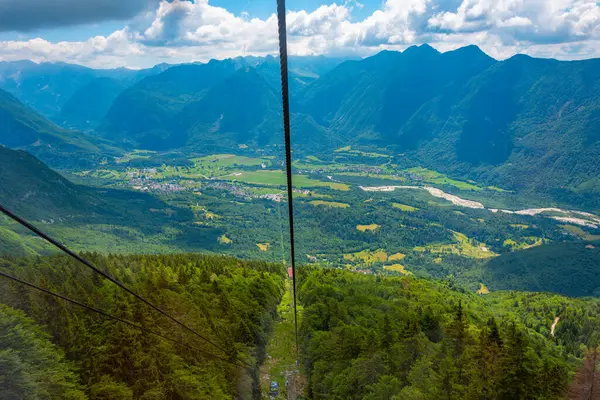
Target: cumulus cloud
[(179, 31), (26, 15), (532, 21)]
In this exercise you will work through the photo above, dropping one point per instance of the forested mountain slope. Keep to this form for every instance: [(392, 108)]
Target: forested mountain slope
[(243, 108), (364, 337), (32, 366), (524, 123), (567, 268), (90, 103), (22, 127), (373, 98), (35, 192), (149, 110), (228, 301), (473, 117), (225, 103)]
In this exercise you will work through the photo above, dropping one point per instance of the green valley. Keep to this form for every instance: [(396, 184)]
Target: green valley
[(444, 204)]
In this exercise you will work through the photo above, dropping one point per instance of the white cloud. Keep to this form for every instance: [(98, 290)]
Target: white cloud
[(180, 31), (531, 21)]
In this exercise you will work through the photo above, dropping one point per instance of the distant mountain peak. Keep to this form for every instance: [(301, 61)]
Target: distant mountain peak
[(472, 51), (421, 49)]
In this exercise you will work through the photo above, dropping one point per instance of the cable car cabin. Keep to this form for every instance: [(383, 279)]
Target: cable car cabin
[(274, 389)]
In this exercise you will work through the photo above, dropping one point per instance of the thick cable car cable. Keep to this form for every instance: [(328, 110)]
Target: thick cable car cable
[(88, 264), (113, 317), (285, 101)]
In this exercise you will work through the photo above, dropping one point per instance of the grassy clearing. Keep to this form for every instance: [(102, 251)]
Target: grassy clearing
[(329, 204), (343, 149), (352, 152), (404, 207), (263, 190), (397, 257), (527, 243), (223, 239), (277, 178), (483, 289), (440, 179), (580, 233), (367, 256), (228, 161), (519, 226), (497, 189), (367, 154), (136, 154), (370, 228), (464, 247), (396, 268), (104, 174), (388, 177), (202, 212), (281, 345), (263, 246), (323, 166)]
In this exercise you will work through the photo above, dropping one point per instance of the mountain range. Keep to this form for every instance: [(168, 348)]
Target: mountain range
[(47, 87), (24, 128), (522, 124)]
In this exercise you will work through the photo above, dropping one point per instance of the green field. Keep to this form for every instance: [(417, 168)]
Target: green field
[(370, 228), (277, 178), (440, 179), (397, 268), (367, 257), (229, 160), (404, 207), (135, 154), (525, 243), (464, 246), (329, 204)]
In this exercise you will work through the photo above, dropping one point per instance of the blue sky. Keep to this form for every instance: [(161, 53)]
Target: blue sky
[(254, 8), (141, 33)]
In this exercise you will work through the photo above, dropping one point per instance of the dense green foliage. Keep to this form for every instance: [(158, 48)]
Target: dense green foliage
[(228, 301), (389, 338), (31, 367), (567, 268), (576, 322)]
